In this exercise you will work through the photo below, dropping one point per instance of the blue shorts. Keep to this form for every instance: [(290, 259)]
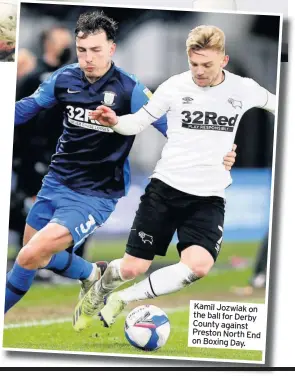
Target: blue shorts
[(79, 213)]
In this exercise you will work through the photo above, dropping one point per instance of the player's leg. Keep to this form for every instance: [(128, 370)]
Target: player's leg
[(99, 267), (35, 254), (118, 272), (195, 263), (40, 251), (81, 214), (200, 237), (20, 278), (150, 234), (28, 234), (163, 281), (67, 264), (52, 204)]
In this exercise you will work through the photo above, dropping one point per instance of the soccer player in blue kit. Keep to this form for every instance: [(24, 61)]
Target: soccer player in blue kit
[(90, 170)]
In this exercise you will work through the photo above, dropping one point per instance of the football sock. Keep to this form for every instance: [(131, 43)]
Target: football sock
[(70, 265), (163, 281), (112, 278), (18, 282)]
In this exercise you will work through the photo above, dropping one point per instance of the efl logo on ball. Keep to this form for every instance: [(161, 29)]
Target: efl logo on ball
[(147, 327)]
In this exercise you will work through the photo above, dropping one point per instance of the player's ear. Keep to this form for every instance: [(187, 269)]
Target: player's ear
[(113, 49), (225, 61)]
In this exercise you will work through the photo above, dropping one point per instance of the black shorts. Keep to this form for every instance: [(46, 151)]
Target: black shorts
[(163, 210)]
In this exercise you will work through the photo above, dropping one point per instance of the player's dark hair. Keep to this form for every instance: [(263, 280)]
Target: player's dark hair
[(93, 22)]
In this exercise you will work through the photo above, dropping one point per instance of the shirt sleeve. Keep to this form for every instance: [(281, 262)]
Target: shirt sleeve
[(153, 111), (43, 97), (159, 103), (25, 110), (260, 97), (271, 103), (140, 97)]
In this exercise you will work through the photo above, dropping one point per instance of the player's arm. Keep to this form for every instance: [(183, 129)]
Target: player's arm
[(140, 97), (26, 109), (270, 104), (134, 123), (261, 97), (43, 98)]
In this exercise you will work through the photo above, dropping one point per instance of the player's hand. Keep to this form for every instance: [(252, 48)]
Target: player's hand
[(104, 115), (230, 158)]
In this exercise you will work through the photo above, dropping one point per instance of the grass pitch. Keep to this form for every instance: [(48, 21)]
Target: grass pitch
[(42, 319)]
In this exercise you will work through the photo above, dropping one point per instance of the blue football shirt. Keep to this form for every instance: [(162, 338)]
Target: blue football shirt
[(89, 158)]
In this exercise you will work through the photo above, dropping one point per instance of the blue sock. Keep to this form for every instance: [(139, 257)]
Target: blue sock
[(70, 265), (18, 282)]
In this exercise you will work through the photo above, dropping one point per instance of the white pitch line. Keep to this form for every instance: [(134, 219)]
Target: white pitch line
[(28, 324)]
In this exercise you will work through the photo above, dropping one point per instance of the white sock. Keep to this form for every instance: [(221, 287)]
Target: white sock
[(111, 278), (163, 281)]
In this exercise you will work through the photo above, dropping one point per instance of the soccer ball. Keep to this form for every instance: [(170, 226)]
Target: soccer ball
[(147, 327)]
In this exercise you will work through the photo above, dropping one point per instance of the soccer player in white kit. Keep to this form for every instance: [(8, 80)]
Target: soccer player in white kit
[(187, 190)]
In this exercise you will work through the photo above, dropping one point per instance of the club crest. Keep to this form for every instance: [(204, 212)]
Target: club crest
[(235, 103), (108, 99)]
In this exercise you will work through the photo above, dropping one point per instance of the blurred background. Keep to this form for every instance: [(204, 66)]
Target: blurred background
[(151, 45)]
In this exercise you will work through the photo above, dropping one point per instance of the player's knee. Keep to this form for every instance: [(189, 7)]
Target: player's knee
[(201, 270), (202, 267), (130, 270), (32, 257), (28, 257), (198, 259)]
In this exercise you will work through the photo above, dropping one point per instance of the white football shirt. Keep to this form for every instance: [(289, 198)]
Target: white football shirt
[(202, 124)]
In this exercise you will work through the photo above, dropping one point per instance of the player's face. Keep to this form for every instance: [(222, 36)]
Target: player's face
[(94, 54), (206, 66)]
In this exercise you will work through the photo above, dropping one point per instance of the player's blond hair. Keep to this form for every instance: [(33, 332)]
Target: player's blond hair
[(205, 36)]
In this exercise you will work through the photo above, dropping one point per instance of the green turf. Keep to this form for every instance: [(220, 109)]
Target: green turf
[(102, 340), (111, 250), (51, 301)]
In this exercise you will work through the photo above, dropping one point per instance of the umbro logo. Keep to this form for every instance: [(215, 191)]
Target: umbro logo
[(235, 103), (187, 100), (73, 91)]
